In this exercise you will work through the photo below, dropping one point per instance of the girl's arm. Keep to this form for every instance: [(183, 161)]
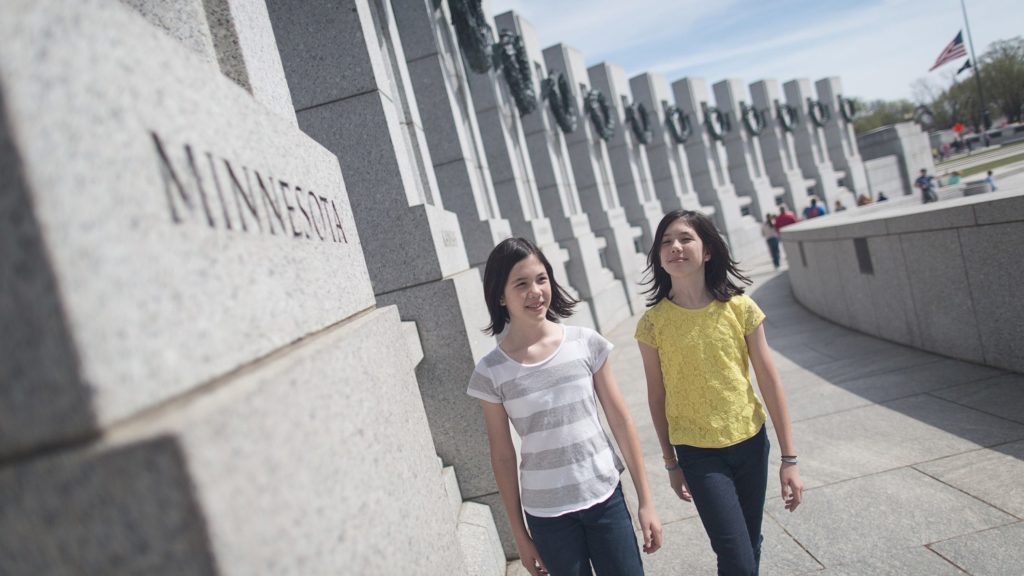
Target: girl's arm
[(503, 462), (622, 427), (775, 401), (656, 403)]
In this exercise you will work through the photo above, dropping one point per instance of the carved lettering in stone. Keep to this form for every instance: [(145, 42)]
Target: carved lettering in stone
[(261, 204), (449, 238)]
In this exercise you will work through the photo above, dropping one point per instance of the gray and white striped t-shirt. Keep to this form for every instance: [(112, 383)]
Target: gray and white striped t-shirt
[(568, 462)]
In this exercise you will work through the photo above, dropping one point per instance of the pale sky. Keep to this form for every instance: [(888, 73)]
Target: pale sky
[(876, 47)]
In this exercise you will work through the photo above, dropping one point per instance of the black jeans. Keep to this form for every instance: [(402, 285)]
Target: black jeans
[(728, 486), (602, 535)]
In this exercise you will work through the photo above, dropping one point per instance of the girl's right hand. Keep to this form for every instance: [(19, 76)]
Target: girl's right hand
[(530, 558), (678, 483)]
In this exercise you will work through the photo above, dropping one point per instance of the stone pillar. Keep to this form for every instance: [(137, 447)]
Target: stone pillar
[(504, 141), (628, 155), (811, 149), (449, 125), (670, 171), (346, 69), (908, 143), (556, 187), (743, 147), (780, 158), (588, 155), (708, 169), (191, 341), (840, 135)]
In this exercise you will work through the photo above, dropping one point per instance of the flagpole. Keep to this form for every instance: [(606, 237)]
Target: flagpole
[(986, 121)]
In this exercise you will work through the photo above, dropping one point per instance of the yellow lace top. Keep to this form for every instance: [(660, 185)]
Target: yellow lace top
[(709, 401)]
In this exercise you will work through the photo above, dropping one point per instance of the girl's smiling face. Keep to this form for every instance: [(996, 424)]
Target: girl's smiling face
[(528, 291), (682, 251)]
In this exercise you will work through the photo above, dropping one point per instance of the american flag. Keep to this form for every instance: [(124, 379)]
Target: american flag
[(952, 52)]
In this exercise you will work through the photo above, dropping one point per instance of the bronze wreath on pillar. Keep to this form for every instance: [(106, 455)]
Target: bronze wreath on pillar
[(600, 114), (818, 112), (788, 116), (847, 108), (752, 119), (717, 122), (474, 34), (515, 66), (679, 126), (640, 121), (556, 90)]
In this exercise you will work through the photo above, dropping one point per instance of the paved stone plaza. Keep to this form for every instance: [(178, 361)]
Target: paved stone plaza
[(912, 461)]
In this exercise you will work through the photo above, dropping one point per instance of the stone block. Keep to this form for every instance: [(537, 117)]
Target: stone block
[(479, 541), (267, 471), (331, 66), (891, 293), (1000, 207), (183, 20), (247, 52), (934, 216), (938, 275), (451, 490), (992, 261), (207, 210), (839, 524)]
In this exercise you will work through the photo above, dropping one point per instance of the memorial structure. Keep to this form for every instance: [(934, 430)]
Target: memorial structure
[(501, 96), (346, 69), (588, 155), (666, 156), (743, 147), (840, 135), (627, 150), (707, 159), (809, 140), (777, 143), (441, 87), (193, 364), (907, 143), (556, 186)]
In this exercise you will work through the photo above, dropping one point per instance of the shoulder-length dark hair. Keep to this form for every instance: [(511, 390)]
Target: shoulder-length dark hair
[(717, 270), (503, 258)]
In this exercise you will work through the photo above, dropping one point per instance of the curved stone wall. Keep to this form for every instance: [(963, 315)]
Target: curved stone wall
[(943, 277)]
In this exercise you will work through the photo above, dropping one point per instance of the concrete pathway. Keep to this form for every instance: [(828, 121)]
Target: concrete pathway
[(913, 463)]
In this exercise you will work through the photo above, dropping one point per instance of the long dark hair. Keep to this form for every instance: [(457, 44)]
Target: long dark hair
[(717, 270), (502, 259)]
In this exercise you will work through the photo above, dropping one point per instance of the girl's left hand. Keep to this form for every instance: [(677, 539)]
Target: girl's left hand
[(792, 486), (651, 527)]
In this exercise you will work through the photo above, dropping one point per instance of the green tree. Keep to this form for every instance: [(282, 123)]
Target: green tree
[(879, 113), (1002, 72)]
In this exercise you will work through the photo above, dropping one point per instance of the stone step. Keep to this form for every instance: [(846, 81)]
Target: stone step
[(478, 537)]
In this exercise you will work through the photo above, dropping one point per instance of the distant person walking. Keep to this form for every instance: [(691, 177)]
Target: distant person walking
[(771, 236), (814, 209), (991, 181), (785, 217), (697, 339), (954, 178), (549, 380), (839, 206), (926, 184)]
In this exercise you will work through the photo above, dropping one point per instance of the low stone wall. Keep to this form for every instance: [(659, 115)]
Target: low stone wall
[(942, 277)]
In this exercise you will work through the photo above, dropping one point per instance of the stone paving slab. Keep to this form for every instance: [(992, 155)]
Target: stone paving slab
[(996, 552), (916, 561), (992, 475), (883, 437), (1002, 396), (861, 518)]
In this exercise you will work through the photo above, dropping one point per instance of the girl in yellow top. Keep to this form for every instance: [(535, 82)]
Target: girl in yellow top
[(697, 339)]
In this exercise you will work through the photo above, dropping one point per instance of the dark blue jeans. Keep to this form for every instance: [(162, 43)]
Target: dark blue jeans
[(728, 486), (601, 535)]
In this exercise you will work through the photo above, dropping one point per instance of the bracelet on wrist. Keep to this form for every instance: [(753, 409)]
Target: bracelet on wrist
[(672, 466), (793, 460)]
